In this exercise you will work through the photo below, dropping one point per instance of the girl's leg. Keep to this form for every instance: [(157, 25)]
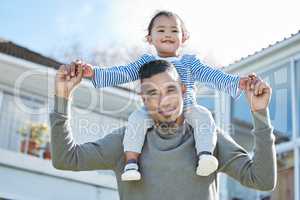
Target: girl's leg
[(134, 137), (200, 118)]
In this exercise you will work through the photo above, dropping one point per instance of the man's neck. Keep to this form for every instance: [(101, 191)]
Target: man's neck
[(170, 127)]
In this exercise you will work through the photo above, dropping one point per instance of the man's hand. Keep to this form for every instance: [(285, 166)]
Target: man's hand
[(258, 94), (65, 84)]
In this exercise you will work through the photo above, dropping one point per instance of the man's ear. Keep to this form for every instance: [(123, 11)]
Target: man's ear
[(142, 96), (183, 88)]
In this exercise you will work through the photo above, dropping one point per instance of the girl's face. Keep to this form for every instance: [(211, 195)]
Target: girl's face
[(166, 36)]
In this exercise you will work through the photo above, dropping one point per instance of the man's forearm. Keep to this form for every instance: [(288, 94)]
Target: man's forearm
[(264, 166), (60, 132)]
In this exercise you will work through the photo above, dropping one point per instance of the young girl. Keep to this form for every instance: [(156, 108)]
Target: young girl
[(167, 33)]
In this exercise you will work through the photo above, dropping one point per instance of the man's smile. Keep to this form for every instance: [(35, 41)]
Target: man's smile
[(167, 112)]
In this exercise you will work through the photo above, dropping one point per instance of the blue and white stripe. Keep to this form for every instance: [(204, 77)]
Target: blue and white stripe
[(189, 67)]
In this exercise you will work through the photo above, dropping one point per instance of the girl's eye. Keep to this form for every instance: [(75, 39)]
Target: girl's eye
[(175, 31), (161, 31)]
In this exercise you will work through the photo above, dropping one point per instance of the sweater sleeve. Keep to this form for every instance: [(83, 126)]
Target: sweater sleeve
[(116, 75), (215, 78), (257, 172), (67, 155)]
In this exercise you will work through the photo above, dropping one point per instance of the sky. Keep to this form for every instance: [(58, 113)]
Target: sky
[(225, 30)]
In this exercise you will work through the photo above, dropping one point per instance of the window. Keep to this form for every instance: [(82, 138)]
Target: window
[(280, 105), (297, 71), (13, 117)]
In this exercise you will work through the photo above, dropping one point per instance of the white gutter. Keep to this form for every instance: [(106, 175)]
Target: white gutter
[(263, 53)]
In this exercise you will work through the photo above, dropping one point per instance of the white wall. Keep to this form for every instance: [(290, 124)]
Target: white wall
[(20, 184)]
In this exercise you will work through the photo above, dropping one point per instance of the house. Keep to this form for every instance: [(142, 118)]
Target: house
[(26, 96), (279, 65)]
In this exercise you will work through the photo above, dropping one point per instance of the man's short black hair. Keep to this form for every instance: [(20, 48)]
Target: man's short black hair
[(154, 67)]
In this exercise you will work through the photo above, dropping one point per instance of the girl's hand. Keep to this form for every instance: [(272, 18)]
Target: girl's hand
[(88, 71), (72, 70), (245, 80)]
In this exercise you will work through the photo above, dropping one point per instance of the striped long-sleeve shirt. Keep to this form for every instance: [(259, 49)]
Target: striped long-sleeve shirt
[(189, 67)]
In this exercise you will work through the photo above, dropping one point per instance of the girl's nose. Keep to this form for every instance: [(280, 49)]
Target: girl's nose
[(167, 34)]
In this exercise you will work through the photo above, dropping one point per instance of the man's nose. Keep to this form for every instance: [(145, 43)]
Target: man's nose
[(165, 100)]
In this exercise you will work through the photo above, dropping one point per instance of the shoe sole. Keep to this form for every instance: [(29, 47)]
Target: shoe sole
[(131, 175), (210, 167)]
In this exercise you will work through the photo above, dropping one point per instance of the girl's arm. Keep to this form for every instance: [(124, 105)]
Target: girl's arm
[(116, 75), (215, 78)]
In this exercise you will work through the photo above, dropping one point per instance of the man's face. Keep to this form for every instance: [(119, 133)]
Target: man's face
[(162, 94)]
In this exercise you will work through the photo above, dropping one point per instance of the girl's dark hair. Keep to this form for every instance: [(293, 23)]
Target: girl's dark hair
[(167, 14)]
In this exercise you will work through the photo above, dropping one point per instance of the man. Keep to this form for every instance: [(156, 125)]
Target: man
[(168, 159)]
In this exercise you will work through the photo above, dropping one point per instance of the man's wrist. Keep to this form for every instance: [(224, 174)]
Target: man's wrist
[(261, 119), (61, 105), (63, 94)]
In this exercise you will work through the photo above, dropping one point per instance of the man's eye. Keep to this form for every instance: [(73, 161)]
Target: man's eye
[(171, 90), (153, 94)]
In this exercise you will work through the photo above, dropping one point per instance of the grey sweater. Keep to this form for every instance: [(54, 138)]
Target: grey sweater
[(168, 161)]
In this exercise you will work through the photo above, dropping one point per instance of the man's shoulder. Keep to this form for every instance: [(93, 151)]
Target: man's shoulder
[(224, 138), (226, 144), (113, 141), (117, 133)]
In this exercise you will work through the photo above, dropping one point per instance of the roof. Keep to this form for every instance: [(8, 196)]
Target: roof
[(285, 41), (10, 48)]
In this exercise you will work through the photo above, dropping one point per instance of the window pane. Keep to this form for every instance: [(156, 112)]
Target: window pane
[(280, 106), (206, 96), (208, 102), (297, 70)]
